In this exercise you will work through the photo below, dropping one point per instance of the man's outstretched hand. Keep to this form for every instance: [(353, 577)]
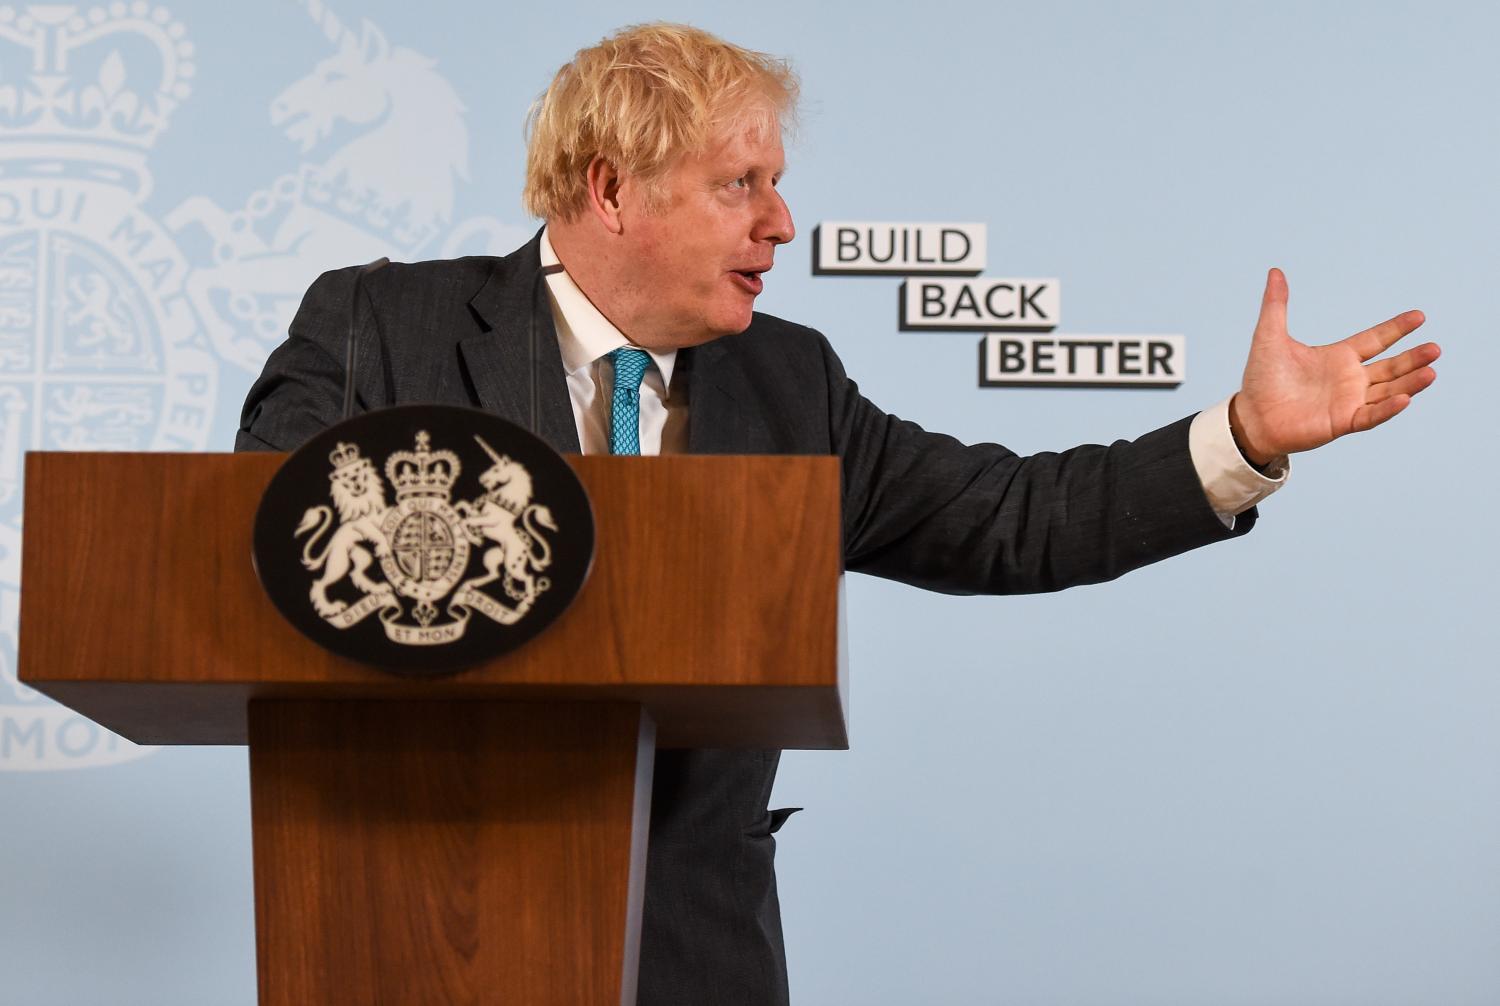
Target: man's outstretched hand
[(1296, 397)]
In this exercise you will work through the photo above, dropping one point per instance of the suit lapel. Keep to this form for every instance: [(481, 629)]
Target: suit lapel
[(499, 360), (498, 363)]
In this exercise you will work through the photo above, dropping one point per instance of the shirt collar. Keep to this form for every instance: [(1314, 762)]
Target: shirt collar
[(584, 335)]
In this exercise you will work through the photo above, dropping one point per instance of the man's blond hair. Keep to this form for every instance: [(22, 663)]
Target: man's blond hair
[(641, 99)]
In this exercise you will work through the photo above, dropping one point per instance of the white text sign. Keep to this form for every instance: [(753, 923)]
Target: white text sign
[(982, 303), (908, 249), (1136, 361)]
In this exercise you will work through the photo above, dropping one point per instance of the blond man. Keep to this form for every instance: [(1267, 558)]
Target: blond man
[(654, 160)]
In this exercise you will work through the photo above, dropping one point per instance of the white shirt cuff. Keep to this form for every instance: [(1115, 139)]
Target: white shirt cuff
[(1231, 483)]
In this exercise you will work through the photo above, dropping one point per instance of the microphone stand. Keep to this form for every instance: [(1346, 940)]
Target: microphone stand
[(349, 346), (536, 285)]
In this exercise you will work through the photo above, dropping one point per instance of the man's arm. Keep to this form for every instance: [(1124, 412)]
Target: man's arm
[(928, 510)]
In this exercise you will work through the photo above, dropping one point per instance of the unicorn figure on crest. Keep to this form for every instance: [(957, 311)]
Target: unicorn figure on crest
[(387, 190), (506, 516)]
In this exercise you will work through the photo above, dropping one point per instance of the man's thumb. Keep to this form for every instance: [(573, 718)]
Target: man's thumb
[(1273, 305)]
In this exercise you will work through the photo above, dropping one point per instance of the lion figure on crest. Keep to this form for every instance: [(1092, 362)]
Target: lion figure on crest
[(359, 497), (506, 516)]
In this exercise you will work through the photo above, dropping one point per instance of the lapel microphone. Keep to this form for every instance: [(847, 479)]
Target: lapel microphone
[(350, 353), (536, 285)]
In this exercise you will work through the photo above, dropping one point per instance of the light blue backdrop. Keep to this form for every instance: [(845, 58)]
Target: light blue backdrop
[(1263, 773)]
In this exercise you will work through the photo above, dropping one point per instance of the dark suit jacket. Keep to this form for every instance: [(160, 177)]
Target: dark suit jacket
[(918, 507)]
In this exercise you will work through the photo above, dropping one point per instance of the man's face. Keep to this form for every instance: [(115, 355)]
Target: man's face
[(701, 253)]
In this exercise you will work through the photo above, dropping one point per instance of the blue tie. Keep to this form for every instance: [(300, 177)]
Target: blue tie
[(625, 406)]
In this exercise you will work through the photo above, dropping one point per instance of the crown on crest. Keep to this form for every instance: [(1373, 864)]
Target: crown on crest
[(423, 472), (343, 455), (106, 74)]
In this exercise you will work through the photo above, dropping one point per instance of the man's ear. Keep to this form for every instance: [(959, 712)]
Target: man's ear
[(604, 181)]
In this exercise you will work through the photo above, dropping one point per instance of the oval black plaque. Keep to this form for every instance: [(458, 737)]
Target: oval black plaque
[(423, 538)]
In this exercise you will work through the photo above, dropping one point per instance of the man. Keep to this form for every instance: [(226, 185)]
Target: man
[(654, 159)]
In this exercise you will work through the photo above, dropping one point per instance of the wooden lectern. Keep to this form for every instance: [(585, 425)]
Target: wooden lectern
[(472, 839)]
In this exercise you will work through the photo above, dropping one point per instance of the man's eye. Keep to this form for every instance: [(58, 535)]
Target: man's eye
[(740, 183)]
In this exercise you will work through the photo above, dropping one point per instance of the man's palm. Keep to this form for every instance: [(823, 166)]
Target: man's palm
[(1296, 397)]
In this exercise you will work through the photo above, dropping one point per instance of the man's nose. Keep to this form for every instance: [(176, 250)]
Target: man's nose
[(775, 223)]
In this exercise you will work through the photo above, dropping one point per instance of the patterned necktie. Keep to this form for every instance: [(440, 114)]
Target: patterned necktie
[(625, 406)]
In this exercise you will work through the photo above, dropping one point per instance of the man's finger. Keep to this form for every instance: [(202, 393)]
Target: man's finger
[(1373, 341), (1406, 384), (1272, 320), (1397, 366), (1367, 417)]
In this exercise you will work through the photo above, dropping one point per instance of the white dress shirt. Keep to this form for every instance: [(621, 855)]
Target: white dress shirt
[(586, 338)]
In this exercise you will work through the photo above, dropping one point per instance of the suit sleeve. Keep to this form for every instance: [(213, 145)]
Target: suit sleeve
[(300, 392), (928, 510)]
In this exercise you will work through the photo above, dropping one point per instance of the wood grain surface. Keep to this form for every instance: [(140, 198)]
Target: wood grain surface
[(449, 853), (714, 601)]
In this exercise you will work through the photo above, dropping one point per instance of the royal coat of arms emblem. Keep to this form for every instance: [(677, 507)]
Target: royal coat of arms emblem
[(470, 557)]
